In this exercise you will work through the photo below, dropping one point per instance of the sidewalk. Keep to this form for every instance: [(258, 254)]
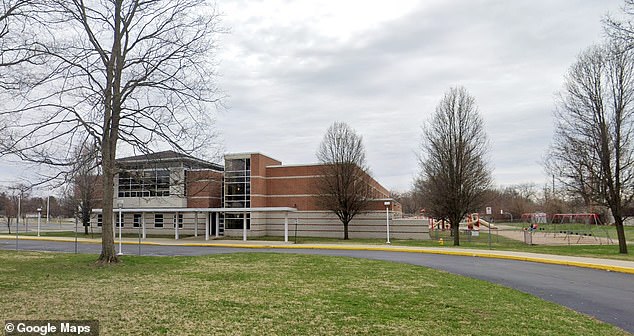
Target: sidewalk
[(596, 263)]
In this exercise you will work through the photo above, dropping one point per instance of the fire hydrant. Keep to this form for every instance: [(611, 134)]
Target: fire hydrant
[(441, 242)]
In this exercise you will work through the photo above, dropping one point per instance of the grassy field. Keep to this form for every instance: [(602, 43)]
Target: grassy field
[(273, 294)]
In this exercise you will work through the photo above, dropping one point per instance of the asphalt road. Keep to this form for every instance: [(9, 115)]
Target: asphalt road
[(608, 296)]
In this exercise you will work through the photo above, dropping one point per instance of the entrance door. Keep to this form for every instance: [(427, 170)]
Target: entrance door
[(212, 222)]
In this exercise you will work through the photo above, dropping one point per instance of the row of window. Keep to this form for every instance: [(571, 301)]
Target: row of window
[(150, 183), (136, 221), (232, 221)]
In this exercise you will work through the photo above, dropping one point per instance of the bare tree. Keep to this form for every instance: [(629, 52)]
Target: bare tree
[(454, 174), (6, 207), (133, 71), (344, 182), (518, 199), (409, 200), (86, 182), (593, 150), (621, 31)]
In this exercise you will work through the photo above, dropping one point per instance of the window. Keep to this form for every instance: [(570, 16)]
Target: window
[(235, 221), (144, 183), (237, 183), (137, 220), (116, 220), (158, 220), (99, 220), (180, 220)]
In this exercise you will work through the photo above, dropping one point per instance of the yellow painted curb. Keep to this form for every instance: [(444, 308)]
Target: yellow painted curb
[(475, 253)]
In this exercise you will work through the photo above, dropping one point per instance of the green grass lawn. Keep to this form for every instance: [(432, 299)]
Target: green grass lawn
[(273, 294)]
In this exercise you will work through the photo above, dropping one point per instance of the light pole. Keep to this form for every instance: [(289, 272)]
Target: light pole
[(387, 220), (39, 220), (120, 205), (17, 220)]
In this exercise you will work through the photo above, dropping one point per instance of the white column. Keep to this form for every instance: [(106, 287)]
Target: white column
[(39, 220), (217, 224), (244, 227), (196, 224), (120, 225), (286, 227), (176, 226), (48, 207), (387, 220), (143, 224), (207, 226)]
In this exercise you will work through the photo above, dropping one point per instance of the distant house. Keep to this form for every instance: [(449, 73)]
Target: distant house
[(251, 195)]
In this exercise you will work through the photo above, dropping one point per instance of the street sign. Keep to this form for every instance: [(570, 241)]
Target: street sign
[(489, 210)]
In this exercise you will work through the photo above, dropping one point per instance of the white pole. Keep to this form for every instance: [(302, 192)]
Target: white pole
[(207, 225), (286, 227), (48, 208), (217, 224), (244, 227), (17, 220), (196, 225), (39, 220), (143, 224), (387, 220), (120, 225), (176, 227)]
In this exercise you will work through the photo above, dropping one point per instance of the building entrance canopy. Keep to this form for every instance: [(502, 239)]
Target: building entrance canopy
[(207, 211)]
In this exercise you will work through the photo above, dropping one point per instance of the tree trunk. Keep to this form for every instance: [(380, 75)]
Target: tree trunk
[(108, 254), (455, 229), (345, 230), (9, 224), (620, 233)]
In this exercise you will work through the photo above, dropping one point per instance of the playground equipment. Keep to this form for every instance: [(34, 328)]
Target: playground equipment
[(579, 225), (474, 221), (535, 218), (438, 224)]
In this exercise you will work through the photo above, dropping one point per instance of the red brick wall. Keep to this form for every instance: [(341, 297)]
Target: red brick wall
[(204, 188), (259, 163), (287, 186)]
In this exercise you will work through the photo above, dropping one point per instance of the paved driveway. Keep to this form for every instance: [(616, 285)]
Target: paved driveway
[(608, 296)]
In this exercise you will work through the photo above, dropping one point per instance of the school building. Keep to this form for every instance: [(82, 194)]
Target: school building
[(251, 195)]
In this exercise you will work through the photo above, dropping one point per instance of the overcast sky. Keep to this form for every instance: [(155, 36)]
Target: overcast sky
[(292, 68)]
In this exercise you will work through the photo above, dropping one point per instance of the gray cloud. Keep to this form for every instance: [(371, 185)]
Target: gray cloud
[(288, 79)]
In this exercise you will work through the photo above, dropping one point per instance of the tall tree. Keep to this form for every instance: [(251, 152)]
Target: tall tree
[(593, 150), (454, 174), (133, 71), (344, 182)]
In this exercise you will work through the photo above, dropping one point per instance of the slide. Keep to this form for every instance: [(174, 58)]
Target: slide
[(487, 224)]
